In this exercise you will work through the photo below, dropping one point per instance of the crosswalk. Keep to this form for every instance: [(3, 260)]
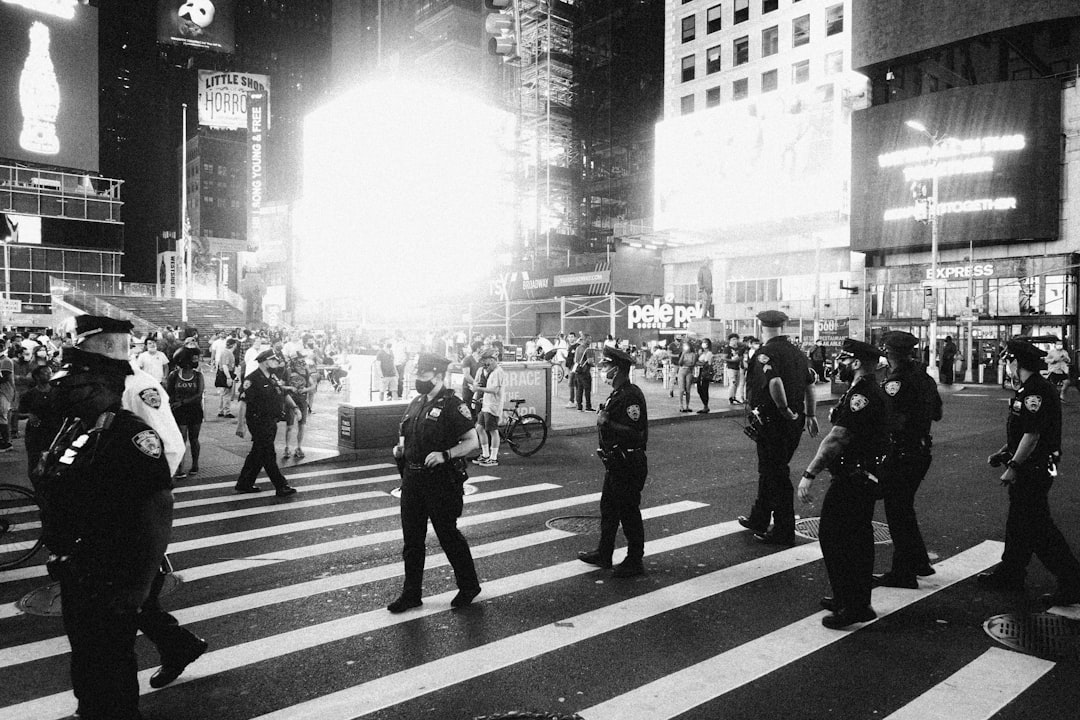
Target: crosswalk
[(296, 591)]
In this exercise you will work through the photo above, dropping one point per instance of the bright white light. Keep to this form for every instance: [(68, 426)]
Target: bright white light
[(916, 126), (408, 192), (60, 8)]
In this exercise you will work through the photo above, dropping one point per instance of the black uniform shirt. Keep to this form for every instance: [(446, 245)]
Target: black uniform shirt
[(864, 411), (915, 403), (1035, 408), (778, 358), (626, 406), (434, 426), (265, 398)]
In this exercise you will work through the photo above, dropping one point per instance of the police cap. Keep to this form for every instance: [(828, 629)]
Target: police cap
[(87, 325), (615, 356), (859, 350), (269, 354), (1025, 353), (772, 318), (899, 341), (428, 362)]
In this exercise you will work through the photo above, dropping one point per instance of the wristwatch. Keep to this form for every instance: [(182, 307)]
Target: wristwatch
[(1012, 464), (809, 475)]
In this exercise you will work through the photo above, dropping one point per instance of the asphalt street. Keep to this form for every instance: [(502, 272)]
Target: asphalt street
[(291, 595)]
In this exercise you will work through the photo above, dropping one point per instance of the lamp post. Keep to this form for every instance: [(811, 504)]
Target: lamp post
[(932, 212)]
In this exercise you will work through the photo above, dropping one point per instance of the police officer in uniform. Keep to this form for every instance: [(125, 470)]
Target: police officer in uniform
[(622, 423), (852, 452), (264, 396), (436, 434), (1030, 456), (106, 495), (780, 398), (915, 405)]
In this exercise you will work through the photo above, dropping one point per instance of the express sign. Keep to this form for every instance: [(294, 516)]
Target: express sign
[(953, 272), (661, 316)]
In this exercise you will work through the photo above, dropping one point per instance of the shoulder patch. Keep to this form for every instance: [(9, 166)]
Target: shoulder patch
[(1033, 403), (464, 411), (892, 387), (151, 397), (149, 443), (761, 358), (858, 402), (633, 412)]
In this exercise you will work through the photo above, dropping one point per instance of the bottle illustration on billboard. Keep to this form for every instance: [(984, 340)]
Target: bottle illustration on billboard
[(39, 96)]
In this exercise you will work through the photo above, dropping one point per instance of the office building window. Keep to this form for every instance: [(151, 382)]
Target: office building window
[(687, 104), (767, 6), (770, 41), (742, 11), (712, 97), (712, 60), (825, 93), (768, 81), (688, 68), (742, 51), (712, 19), (834, 19), (688, 28), (834, 62), (800, 31), (800, 72), (740, 89)]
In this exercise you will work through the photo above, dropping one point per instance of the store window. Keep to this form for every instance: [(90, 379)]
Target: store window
[(740, 89), (688, 28), (688, 68), (834, 19), (712, 60), (770, 41), (712, 97), (742, 11), (768, 81), (800, 72), (686, 104), (800, 31), (712, 19), (754, 291), (741, 54)]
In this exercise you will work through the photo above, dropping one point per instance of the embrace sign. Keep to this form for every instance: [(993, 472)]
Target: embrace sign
[(661, 315)]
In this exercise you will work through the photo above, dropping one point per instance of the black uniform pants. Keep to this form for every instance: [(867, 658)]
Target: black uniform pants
[(846, 535), (776, 445), (1030, 530), (434, 496), (262, 455), (174, 643), (900, 480), (103, 666), (620, 504)]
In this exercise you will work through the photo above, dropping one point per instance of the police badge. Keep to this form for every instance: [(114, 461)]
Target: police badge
[(634, 412), (151, 397), (892, 387), (1033, 403), (858, 402), (148, 443)]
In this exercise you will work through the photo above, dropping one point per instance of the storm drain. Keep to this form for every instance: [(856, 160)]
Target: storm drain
[(1044, 635), (466, 488), (527, 715), (808, 528), (577, 524), (45, 600)]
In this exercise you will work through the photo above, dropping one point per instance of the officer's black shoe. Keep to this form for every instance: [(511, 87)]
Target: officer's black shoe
[(404, 603), (829, 603), (926, 570), (772, 538), (842, 619), (1060, 597), (745, 522), (285, 491), (171, 670), (628, 568), (247, 489), (464, 597), (891, 579), (595, 558), (994, 580)]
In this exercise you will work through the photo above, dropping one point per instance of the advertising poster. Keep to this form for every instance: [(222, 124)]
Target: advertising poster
[(168, 274), (24, 229), (49, 83), (256, 126), (223, 98), (544, 284), (205, 24)]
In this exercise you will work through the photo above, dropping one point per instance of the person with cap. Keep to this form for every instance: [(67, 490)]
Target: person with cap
[(622, 424), (781, 403), (436, 435), (852, 453), (264, 402), (915, 404), (106, 495), (1030, 456), (492, 395)]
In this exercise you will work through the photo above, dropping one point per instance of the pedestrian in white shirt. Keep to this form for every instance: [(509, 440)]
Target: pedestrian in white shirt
[(152, 362), (492, 390)]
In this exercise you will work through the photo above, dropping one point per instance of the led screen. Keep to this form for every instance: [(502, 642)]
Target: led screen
[(205, 24), (997, 162), (49, 84)]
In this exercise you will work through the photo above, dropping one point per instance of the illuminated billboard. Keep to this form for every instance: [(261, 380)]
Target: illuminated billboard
[(997, 161), (204, 24), (49, 83), (223, 98), (782, 155)]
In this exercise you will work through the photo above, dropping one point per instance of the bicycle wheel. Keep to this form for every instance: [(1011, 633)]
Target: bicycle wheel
[(527, 435), (20, 526)]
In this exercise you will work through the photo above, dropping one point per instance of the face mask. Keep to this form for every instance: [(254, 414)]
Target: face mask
[(424, 386), (609, 376), (846, 372)]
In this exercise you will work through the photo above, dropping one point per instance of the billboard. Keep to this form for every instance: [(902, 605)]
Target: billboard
[(997, 162), (223, 98), (25, 229), (204, 24), (49, 83), (256, 126), (546, 284)]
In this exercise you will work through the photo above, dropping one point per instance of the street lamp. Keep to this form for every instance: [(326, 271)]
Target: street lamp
[(932, 212)]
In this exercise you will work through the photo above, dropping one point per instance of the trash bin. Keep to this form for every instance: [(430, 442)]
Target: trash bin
[(362, 427)]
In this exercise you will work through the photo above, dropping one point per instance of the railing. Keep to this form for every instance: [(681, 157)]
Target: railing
[(59, 194), (197, 291)]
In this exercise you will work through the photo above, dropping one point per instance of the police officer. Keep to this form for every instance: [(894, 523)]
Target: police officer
[(436, 434), (915, 404), (622, 423), (264, 397), (105, 492), (1030, 456), (851, 452), (780, 397)]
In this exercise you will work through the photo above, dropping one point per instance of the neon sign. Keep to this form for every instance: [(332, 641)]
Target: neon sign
[(39, 96), (917, 212), (952, 147)]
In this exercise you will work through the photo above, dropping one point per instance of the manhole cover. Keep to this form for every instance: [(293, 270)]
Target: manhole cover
[(45, 600), (808, 528), (469, 490), (1044, 635), (578, 524)]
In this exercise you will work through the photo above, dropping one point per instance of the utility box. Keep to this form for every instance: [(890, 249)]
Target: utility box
[(364, 427)]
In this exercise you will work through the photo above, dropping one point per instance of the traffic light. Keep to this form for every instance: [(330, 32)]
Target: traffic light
[(503, 28)]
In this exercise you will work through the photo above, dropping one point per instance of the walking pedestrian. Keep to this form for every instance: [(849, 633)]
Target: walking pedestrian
[(264, 401), (705, 374), (733, 356), (185, 388), (492, 394), (687, 362)]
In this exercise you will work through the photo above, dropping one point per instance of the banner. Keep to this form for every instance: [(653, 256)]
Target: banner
[(256, 171), (223, 98), (168, 274), (544, 284), (205, 24)]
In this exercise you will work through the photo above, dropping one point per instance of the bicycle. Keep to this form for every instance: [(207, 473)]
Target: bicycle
[(524, 433), (20, 531)]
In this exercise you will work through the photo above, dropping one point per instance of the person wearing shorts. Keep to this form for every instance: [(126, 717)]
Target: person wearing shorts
[(487, 423)]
